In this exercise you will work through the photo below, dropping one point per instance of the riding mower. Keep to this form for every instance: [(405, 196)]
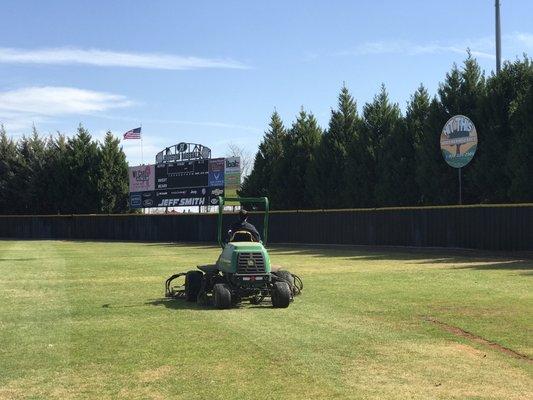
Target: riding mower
[(242, 271)]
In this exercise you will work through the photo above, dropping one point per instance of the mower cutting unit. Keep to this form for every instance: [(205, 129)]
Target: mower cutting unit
[(242, 271)]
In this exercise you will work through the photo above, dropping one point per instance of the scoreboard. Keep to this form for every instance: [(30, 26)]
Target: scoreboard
[(183, 183), (182, 174)]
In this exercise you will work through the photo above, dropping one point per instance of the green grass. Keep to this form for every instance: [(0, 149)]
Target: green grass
[(86, 320)]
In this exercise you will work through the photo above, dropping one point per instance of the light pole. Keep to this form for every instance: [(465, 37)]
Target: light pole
[(498, 38)]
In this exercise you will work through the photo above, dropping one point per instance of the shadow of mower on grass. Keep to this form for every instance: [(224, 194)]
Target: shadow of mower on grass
[(182, 304)]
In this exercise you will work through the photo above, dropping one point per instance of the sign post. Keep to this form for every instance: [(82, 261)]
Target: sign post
[(460, 189), (458, 143)]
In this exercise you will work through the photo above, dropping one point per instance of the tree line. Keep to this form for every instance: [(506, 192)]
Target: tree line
[(374, 158), (60, 175), (383, 157)]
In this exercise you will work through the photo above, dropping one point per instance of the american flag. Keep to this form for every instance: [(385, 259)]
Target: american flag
[(133, 134)]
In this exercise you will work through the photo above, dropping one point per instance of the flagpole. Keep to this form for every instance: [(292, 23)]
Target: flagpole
[(142, 154)]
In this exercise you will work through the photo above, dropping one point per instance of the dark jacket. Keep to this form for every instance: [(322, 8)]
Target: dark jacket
[(245, 226)]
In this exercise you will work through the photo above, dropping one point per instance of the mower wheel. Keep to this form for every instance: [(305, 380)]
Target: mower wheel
[(221, 296), (281, 295), (286, 276), (193, 283)]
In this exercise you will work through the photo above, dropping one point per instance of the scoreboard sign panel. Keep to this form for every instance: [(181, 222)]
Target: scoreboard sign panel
[(183, 184), (182, 174)]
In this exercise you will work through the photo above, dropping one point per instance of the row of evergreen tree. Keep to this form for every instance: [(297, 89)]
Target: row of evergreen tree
[(377, 158), (385, 158), (62, 175)]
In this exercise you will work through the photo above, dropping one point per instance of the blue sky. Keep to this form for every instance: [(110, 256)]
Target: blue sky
[(213, 71)]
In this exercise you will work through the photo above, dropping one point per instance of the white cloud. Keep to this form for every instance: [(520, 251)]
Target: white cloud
[(524, 38), (410, 48), (57, 100), (208, 124), (20, 108), (513, 44), (158, 121), (107, 58)]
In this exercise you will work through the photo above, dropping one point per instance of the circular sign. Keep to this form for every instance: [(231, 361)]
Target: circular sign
[(458, 141), (182, 147), (205, 152)]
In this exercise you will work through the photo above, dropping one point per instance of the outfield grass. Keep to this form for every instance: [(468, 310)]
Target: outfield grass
[(86, 320)]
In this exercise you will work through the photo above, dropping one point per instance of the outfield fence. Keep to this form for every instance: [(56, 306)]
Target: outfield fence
[(491, 227)]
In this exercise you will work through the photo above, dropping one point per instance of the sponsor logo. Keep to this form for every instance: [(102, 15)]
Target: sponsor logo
[(136, 200), (178, 192), (214, 201), (216, 178), (458, 141), (203, 191), (148, 203), (147, 194), (141, 175), (232, 163), (217, 192), (193, 191), (216, 165), (188, 201)]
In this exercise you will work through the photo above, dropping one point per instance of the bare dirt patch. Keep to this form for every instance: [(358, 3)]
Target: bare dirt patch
[(454, 330), (152, 375)]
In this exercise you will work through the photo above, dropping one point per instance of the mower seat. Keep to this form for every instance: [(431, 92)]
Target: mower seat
[(242, 236), (210, 268)]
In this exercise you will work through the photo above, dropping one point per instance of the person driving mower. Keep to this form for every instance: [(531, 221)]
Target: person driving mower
[(242, 225)]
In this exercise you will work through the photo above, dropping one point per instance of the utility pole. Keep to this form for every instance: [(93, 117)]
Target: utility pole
[(498, 38)]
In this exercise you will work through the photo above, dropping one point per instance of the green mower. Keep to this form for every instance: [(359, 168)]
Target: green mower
[(242, 271)]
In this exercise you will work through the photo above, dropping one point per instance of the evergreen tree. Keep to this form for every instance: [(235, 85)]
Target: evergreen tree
[(31, 191), (82, 162), (56, 178), (473, 92), (265, 178), (300, 146), (424, 141), (520, 156), (391, 152), (328, 174), (112, 177), (60, 175), (8, 163), (496, 131)]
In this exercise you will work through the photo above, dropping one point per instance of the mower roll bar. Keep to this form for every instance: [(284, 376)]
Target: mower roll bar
[(259, 200)]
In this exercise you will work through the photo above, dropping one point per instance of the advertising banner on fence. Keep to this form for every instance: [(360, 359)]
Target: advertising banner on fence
[(458, 141), (142, 178)]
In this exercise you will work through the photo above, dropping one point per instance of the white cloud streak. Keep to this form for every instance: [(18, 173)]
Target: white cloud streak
[(409, 48), (209, 124), (57, 100), (513, 44), (108, 58), (524, 38), (20, 108)]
